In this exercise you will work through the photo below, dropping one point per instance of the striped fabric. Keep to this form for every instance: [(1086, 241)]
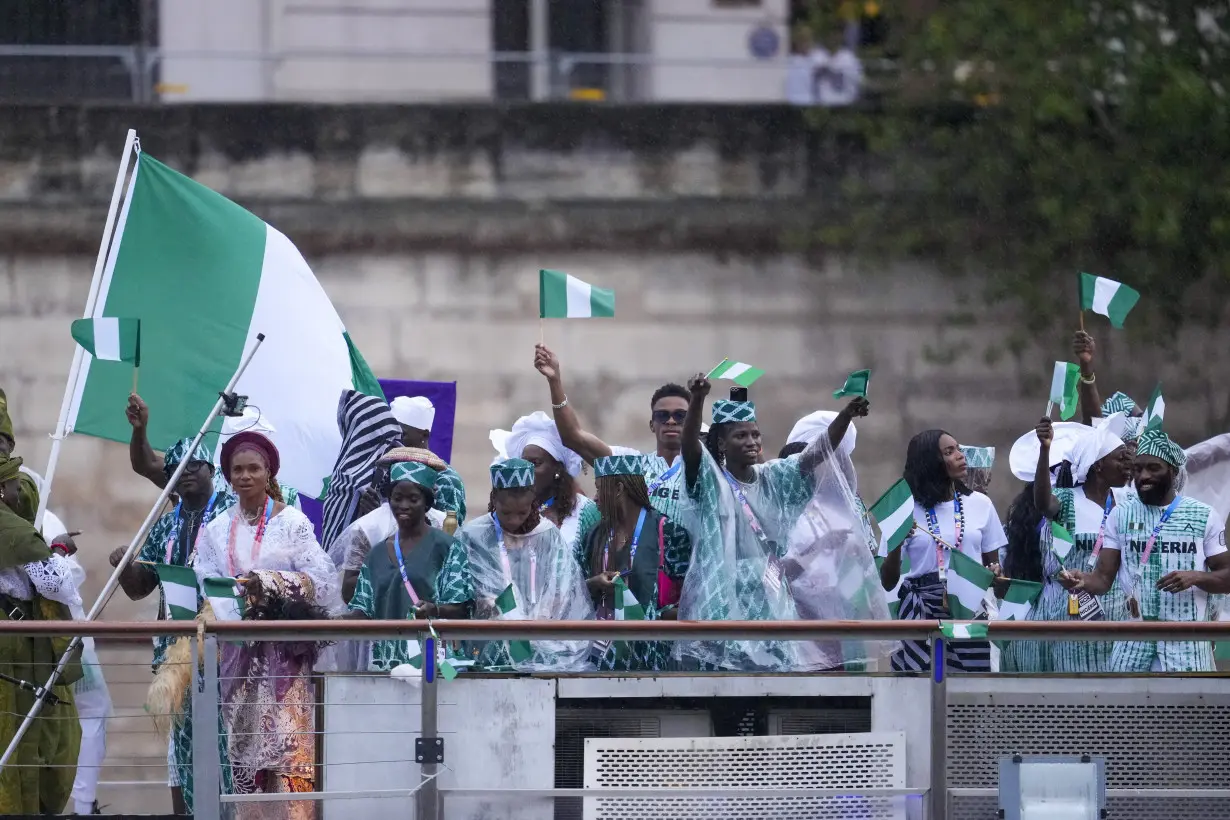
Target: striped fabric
[(368, 429), (923, 599)]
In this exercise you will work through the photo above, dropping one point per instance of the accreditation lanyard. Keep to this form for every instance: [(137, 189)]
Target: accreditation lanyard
[(499, 534), (1097, 545), (401, 565), (665, 477), (933, 527), (1144, 557), (636, 539), (256, 543), (773, 566), (175, 527)]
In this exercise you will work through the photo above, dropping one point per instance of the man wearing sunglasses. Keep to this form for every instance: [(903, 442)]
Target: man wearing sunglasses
[(668, 408)]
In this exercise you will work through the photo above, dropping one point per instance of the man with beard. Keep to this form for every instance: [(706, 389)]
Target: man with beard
[(1173, 551)]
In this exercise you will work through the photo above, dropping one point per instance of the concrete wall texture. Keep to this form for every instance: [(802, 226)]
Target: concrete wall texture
[(426, 227)]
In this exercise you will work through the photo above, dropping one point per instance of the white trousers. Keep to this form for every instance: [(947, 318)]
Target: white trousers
[(93, 710)]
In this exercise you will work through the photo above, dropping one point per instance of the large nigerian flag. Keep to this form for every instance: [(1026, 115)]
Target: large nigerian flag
[(204, 276)]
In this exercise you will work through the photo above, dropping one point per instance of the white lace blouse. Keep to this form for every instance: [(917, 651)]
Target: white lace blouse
[(289, 544), (52, 578)]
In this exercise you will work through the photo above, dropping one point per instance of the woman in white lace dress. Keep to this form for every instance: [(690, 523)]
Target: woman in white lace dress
[(267, 696)]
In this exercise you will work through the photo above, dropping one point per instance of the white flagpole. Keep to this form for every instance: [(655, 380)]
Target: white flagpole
[(136, 543), (95, 285)]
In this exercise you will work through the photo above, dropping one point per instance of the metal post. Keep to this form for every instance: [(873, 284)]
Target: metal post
[(939, 733), (540, 47), (206, 761), (427, 806)]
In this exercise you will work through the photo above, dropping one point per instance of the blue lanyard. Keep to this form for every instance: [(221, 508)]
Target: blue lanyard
[(507, 563), (401, 565), (175, 525), (549, 503), (750, 515), (1144, 558), (636, 539), (958, 523), (665, 477)]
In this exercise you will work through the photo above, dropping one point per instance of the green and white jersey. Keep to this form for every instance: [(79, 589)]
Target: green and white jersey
[(1193, 534), (665, 487)]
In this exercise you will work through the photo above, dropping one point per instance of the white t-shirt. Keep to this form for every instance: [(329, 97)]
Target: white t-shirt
[(983, 533), (1213, 541), (841, 79)]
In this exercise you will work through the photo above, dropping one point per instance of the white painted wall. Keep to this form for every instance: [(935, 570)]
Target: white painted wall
[(206, 31)]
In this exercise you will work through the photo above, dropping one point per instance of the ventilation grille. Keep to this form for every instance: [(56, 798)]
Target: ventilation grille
[(818, 721), (854, 761), (1164, 742)]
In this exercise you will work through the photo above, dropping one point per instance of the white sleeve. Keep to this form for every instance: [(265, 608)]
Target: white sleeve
[(53, 579), (993, 536), (1214, 535), (205, 562), (1110, 539), (314, 562)]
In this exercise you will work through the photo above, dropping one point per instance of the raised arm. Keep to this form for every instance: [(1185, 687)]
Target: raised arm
[(583, 443), (692, 447), (811, 458), (1084, 349), (1044, 500), (145, 462)]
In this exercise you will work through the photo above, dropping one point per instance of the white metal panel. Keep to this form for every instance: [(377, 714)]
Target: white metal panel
[(846, 761)]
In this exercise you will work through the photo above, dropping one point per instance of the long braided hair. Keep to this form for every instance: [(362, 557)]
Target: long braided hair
[(1023, 558), (610, 511), (562, 493), (713, 440), (274, 490)]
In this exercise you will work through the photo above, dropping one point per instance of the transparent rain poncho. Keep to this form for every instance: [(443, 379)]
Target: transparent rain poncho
[(813, 559), (547, 583)]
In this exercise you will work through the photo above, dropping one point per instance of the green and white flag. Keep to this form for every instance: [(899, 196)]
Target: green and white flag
[(562, 296), (1061, 541), (226, 598), (973, 631), (856, 385), (1112, 299), (1155, 412), (968, 582), (204, 277), (895, 514), (627, 608), (1063, 388), (109, 339), (510, 610), (445, 667), (737, 372), (1018, 600), (179, 593)]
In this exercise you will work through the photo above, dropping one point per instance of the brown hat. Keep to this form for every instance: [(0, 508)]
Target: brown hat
[(401, 454)]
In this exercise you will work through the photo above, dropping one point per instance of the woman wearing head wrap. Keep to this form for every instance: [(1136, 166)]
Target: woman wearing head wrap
[(401, 578), (267, 697), (1098, 462), (513, 564), (35, 584), (948, 516), (1169, 551), (740, 513), (624, 556), (535, 438)]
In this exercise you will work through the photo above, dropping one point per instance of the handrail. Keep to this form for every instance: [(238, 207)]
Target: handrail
[(628, 630)]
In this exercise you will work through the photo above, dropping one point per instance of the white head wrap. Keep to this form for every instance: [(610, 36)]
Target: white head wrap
[(806, 430), (1023, 458), (414, 411), (1094, 445), (536, 429)]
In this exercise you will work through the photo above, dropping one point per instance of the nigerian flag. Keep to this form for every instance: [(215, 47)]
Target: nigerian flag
[(562, 296), (895, 514), (1112, 299), (510, 610), (627, 608), (1063, 388), (976, 631), (204, 277), (855, 385), (1019, 599), (968, 582), (225, 597), (1155, 412), (109, 339), (179, 593), (1061, 541), (738, 372)]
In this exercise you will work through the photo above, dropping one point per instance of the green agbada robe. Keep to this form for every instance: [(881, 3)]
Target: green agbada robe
[(41, 779)]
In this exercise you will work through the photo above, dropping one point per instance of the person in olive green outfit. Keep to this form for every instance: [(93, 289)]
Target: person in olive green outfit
[(39, 778), (404, 577)]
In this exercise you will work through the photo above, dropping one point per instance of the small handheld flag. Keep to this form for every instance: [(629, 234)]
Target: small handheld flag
[(1063, 389), (737, 372), (974, 631), (225, 597), (627, 608), (968, 582), (519, 650), (562, 296), (1107, 297), (1061, 541), (1019, 600), (895, 514), (109, 339), (856, 385), (179, 593), (1155, 411)]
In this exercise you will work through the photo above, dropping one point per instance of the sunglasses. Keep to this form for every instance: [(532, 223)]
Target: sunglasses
[(663, 416)]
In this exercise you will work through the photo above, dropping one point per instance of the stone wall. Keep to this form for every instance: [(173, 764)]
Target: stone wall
[(427, 227)]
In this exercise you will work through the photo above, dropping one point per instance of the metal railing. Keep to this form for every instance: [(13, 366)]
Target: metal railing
[(428, 793)]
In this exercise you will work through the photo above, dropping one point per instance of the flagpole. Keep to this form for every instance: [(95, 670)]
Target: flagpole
[(74, 371), (133, 546)]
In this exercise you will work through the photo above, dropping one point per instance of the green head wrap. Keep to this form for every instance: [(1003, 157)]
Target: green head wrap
[(725, 411), (619, 465), (414, 472), (179, 451), (513, 474), (1157, 444)]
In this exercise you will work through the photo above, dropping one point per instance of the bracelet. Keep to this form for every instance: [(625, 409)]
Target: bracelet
[(1089, 380), (562, 404)]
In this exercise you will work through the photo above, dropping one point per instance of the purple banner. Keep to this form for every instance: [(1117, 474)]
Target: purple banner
[(443, 396)]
